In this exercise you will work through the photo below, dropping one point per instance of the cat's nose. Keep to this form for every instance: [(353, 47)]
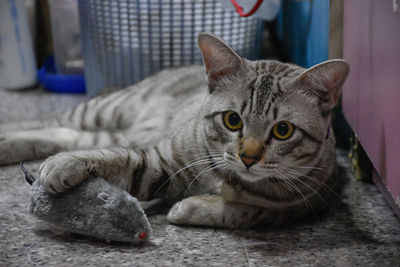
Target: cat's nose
[(247, 160), (251, 151)]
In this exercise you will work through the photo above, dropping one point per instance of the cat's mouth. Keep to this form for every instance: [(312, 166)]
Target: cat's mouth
[(248, 173), (254, 173)]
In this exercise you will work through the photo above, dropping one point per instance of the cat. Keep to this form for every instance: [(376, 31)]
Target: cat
[(243, 144)]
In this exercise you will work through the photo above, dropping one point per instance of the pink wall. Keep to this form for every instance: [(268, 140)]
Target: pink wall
[(371, 96)]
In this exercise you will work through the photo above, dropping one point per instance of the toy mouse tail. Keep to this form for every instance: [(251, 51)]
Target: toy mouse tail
[(28, 176)]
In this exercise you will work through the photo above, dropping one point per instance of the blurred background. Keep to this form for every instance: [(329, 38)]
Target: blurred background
[(92, 46)]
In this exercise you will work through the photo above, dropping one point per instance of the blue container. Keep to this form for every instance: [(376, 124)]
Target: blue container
[(303, 27), (60, 83)]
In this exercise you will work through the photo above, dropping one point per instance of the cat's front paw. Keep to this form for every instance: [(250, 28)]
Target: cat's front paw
[(205, 210), (180, 212), (62, 171)]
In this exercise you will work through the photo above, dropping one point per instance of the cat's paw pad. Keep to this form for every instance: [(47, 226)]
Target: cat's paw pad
[(62, 171)]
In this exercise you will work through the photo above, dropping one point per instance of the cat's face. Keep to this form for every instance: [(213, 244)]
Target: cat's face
[(268, 118), (264, 124)]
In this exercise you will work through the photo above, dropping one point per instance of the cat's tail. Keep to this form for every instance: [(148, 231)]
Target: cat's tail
[(28, 176)]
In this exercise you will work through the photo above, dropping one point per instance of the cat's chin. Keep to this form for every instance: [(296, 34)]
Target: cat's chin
[(249, 176)]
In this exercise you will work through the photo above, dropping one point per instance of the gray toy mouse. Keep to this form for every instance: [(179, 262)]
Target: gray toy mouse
[(95, 208)]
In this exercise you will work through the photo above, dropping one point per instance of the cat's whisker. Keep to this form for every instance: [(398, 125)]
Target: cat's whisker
[(308, 176), (287, 185), (316, 181), (204, 152), (306, 201), (189, 165), (305, 167), (223, 168), (198, 148), (192, 149), (205, 170), (306, 185), (200, 156)]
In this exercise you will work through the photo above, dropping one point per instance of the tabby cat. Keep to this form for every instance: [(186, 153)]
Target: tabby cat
[(249, 144)]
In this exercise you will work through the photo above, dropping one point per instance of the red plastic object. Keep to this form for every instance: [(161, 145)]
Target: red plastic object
[(239, 9), (142, 235)]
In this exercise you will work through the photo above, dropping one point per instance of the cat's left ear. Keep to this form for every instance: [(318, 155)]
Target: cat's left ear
[(219, 59), (326, 80)]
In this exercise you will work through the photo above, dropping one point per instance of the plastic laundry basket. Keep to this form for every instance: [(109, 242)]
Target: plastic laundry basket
[(127, 40)]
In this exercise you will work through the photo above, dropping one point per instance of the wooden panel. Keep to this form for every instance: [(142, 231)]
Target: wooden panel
[(336, 29), (371, 96)]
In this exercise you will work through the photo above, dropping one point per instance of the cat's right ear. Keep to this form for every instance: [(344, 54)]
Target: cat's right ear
[(325, 80), (219, 59)]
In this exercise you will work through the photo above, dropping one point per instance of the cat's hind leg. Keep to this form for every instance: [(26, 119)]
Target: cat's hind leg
[(29, 125), (36, 144)]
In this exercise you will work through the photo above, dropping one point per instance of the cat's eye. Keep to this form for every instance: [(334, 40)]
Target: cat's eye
[(232, 120), (283, 130)]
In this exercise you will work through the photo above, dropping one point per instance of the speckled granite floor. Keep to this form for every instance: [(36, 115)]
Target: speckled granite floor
[(361, 230)]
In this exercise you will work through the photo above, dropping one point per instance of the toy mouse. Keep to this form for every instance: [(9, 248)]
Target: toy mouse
[(95, 208)]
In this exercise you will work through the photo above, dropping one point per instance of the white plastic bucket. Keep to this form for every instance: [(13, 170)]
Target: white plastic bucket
[(125, 41), (17, 61)]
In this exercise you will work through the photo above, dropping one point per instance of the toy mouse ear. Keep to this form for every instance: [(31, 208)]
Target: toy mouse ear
[(105, 197)]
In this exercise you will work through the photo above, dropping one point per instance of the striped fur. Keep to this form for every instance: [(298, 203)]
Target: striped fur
[(165, 138)]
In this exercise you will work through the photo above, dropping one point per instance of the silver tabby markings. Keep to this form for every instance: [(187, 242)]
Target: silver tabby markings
[(258, 129)]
